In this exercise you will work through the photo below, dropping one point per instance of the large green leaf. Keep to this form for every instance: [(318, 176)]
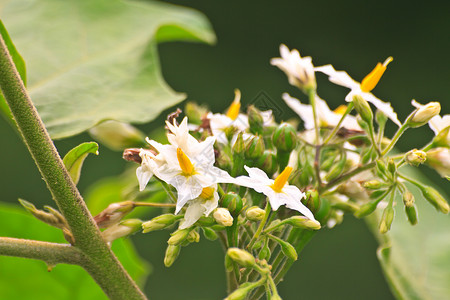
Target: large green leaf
[(416, 259), (29, 279), (90, 61)]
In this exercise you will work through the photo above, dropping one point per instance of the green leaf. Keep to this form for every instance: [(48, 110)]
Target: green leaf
[(74, 159), (415, 259), (20, 65), (29, 279), (91, 61)]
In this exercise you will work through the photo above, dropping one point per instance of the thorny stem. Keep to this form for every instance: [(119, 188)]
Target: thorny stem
[(103, 265)]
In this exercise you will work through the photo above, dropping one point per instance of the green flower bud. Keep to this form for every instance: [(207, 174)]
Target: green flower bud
[(442, 138), (239, 145), (254, 147), (117, 135), (381, 168), (288, 250), (372, 184), (255, 120), (363, 108), (113, 213), (336, 169), (392, 167), (408, 199), (160, 222), (209, 234), (205, 221), (223, 217), (255, 214), (411, 213), (241, 257), (415, 157), (386, 219), (435, 198), (312, 200), (364, 126), (302, 222), (193, 237), (285, 138), (172, 252), (124, 228), (323, 212), (195, 112), (51, 218), (381, 118), (423, 114), (264, 253), (268, 163), (233, 202), (239, 294), (366, 209), (179, 236)]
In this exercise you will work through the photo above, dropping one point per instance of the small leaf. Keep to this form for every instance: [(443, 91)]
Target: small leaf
[(20, 65), (74, 158)]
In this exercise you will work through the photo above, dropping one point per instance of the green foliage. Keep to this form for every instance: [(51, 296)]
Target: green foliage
[(29, 279), (74, 159), (415, 259), (20, 65), (95, 60)]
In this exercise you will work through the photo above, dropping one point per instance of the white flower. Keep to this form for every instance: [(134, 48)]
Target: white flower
[(300, 71), (363, 89), (202, 205), (326, 117), (186, 164), (439, 159), (149, 163), (278, 191)]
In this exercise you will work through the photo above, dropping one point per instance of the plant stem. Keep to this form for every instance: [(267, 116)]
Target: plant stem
[(336, 128), (394, 140), (261, 225), (103, 265), (50, 253), (346, 176)]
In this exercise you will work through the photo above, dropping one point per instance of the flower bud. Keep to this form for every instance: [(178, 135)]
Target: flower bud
[(255, 214), (363, 108), (233, 202), (288, 250), (195, 112), (179, 236), (442, 139), (205, 221), (423, 114), (193, 237), (372, 184), (312, 200), (381, 168), (366, 209), (172, 252), (264, 253), (51, 218), (239, 144), (241, 257), (392, 167), (223, 217), (415, 157), (336, 169), (124, 228), (113, 213), (209, 234), (160, 222), (411, 213), (285, 137), (254, 147), (408, 199), (439, 159), (117, 135), (435, 198), (381, 118), (302, 222), (255, 120), (268, 163), (239, 294), (386, 219)]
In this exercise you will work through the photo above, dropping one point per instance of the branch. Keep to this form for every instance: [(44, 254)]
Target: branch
[(105, 268)]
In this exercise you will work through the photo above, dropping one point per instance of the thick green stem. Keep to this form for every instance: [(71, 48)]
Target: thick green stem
[(104, 267)]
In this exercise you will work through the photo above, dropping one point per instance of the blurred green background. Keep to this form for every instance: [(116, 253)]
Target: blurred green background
[(353, 36)]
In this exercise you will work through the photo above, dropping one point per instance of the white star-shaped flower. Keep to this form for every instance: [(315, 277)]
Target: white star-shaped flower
[(325, 115), (363, 89), (203, 205), (300, 71), (277, 191)]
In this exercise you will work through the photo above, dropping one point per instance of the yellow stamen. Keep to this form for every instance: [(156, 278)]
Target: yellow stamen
[(281, 180), (340, 110), (233, 110), (185, 164), (371, 80), (207, 193)]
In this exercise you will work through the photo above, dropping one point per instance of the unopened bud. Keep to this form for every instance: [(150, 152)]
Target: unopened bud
[(223, 217), (408, 199), (241, 257), (392, 167), (233, 202), (386, 219), (268, 163), (285, 137), (52, 218), (240, 293), (209, 234), (117, 135), (172, 252), (179, 236), (160, 222), (435, 198), (439, 159), (336, 169), (411, 213), (195, 112), (287, 249), (442, 139), (363, 108), (312, 200), (424, 114), (366, 209), (255, 120), (193, 237), (254, 147), (381, 168), (265, 252), (302, 222), (415, 157), (124, 228), (381, 118), (113, 213), (255, 214), (372, 184)]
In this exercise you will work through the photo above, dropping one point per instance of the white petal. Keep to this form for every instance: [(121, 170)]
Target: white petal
[(293, 201), (193, 212), (143, 174), (258, 174), (382, 106), (338, 77), (303, 110)]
